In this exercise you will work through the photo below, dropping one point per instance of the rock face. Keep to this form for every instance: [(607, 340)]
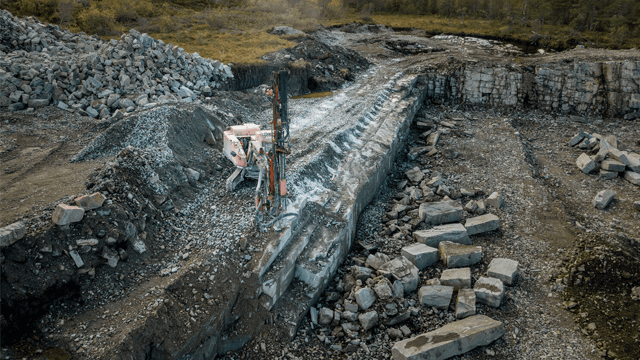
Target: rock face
[(420, 255), (456, 255), (456, 233), (481, 224), (450, 340), (441, 212), (67, 214)]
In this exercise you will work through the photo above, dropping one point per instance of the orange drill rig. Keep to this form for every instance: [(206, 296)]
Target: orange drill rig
[(260, 154)]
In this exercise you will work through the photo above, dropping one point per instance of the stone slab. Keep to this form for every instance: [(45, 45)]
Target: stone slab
[(441, 212), (457, 255), (489, 291), (451, 232), (465, 303), (608, 175), (12, 233), (618, 155), (420, 255), (458, 278), (90, 202), (450, 340), (481, 224), (504, 269), (437, 296), (613, 165)]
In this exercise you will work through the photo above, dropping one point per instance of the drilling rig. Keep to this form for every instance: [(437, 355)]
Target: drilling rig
[(261, 155)]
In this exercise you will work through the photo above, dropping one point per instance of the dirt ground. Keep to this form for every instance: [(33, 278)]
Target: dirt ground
[(578, 263)]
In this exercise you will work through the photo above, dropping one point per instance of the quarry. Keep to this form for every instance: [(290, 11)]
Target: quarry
[(453, 197)]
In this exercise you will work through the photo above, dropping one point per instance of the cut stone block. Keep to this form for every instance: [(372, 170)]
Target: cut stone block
[(452, 232), (67, 214), (585, 164), (482, 208), (441, 212), (420, 255), (481, 224), (613, 165), (471, 206), (579, 137), (495, 200), (489, 291), (457, 255), (603, 198), (12, 233), (608, 175), (634, 162), (415, 174), (368, 320), (365, 297), (632, 177), (437, 296), (621, 156), (465, 303), (401, 268), (588, 143), (90, 202), (450, 340), (458, 278), (504, 269)]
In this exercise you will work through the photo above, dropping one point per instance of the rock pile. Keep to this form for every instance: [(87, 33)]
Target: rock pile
[(43, 64), (605, 154)]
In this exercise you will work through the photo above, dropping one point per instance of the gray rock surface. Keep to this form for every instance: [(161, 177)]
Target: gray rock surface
[(457, 255), (437, 296), (603, 198), (12, 233), (365, 297), (481, 224), (489, 291), (420, 255), (441, 212), (401, 268), (457, 278), (450, 340), (504, 269), (465, 303), (585, 164)]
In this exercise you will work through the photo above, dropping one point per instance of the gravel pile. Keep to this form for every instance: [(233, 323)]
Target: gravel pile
[(43, 64)]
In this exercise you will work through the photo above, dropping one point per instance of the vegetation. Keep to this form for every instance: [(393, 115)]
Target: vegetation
[(234, 30)]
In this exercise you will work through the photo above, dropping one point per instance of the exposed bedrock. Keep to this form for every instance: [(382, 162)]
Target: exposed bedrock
[(610, 88)]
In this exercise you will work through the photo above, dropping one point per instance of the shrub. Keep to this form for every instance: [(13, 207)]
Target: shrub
[(97, 21)]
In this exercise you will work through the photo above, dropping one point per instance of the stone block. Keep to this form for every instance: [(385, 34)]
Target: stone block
[(634, 162), (36, 103), (383, 290), (489, 291), (577, 138), (67, 214), (481, 224), (325, 316), (420, 255), (618, 155), (452, 232), (603, 198), (495, 200), (608, 175), (437, 296), (90, 202), (401, 268), (458, 278), (504, 269), (632, 177), (457, 255), (453, 339), (482, 208), (613, 165), (585, 164), (465, 303), (588, 143), (368, 320), (415, 174), (365, 297), (12, 233), (441, 212), (377, 260)]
